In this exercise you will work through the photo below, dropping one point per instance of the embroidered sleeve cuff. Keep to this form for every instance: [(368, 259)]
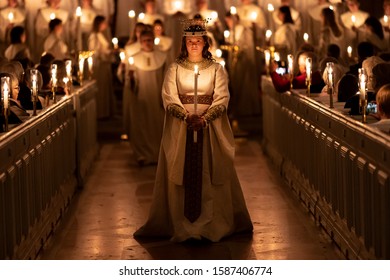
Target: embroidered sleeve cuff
[(176, 111), (214, 113)]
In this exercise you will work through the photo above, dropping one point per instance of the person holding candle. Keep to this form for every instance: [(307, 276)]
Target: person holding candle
[(54, 43), (144, 79), (88, 14), (197, 194), (331, 32), (102, 58), (133, 45), (26, 91), (282, 82), (18, 47), (250, 13), (285, 38), (150, 15), (373, 33), (164, 42), (315, 19), (353, 20), (295, 15), (42, 24), (10, 16)]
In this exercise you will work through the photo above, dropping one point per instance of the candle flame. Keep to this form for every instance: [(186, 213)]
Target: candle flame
[(115, 41), (214, 15), (122, 56), (196, 69), (253, 16), (141, 16), (306, 37), (223, 63), (331, 7), (79, 13), (226, 34), (386, 19), (157, 41), (271, 8), (11, 16), (218, 53), (131, 14), (131, 60), (233, 10), (178, 5), (268, 34), (353, 19), (277, 56), (52, 16)]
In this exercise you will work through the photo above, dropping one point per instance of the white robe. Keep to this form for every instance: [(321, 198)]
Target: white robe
[(102, 72), (56, 46), (146, 111), (223, 209)]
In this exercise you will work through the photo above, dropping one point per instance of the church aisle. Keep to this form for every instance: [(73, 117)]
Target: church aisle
[(116, 200)]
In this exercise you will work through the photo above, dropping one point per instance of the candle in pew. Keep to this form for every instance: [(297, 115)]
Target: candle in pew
[(290, 60), (268, 35), (267, 55), (5, 88), (349, 51), (68, 68), (54, 75), (122, 56), (308, 69), (362, 83), (90, 64)]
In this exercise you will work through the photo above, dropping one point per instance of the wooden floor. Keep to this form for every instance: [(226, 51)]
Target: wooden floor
[(116, 199)]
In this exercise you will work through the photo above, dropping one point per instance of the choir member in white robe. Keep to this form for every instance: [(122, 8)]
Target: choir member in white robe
[(214, 25), (107, 8), (54, 44), (32, 7), (44, 16), (285, 38), (88, 14), (296, 16), (13, 14), (146, 109), (102, 72), (18, 45), (243, 71), (197, 193), (353, 20), (250, 13), (315, 19), (372, 32), (150, 15), (385, 21), (162, 42)]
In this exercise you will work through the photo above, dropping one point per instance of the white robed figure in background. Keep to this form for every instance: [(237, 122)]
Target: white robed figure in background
[(197, 193), (146, 113), (102, 59)]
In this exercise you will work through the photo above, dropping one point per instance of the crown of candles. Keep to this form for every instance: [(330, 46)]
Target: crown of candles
[(194, 27)]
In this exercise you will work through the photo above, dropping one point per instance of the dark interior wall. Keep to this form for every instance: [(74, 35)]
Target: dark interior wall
[(374, 7)]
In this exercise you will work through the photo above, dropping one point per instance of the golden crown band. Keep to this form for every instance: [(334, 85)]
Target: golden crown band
[(193, 34)]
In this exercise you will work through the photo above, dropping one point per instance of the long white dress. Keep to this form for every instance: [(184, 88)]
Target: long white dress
[(146, 110), (102, 73), (223, 208)]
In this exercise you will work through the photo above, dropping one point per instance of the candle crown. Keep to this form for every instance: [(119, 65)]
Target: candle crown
[(194, 27)]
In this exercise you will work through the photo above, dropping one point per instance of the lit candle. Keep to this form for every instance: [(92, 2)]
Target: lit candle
[(331, 7), (131, 14), (267, 55), (54, 75), (308, 69), (131, 60), (290, 60), (122, 56), (5, 88), (353, 19), (65, 80), (157, 41), (141, 16), (115, 42), (214, 16), (270, 8), (268, 35), (233, 11), (329, 66), (81, 65), (226, 34), (362, 83), (132, 23), (277, 56), (52, 16), (386, 20), (68, 68), (177, 6), (253, 16), (11, 17), (223, 63), (90, 64), (34, 81), (306, 37), (218, 53), (196, 74), (349, 51)]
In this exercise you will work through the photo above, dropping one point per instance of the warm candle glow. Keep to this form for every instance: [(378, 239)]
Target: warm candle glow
[(178, 5), (11, 17), (268, 34), (79, 13), (308, 68), (290, 60), (277, 56), (81, 65), (329, 67), (253, 16), (5, 89), (68, 67), (218, 53), (157, 41), (115, 42), (270, 8), (34, 81), (362, 83), (52, 16), (226, 34), (223, 63), (122, 56), (267, 55), (54, 75), (141, 16), (386, 19), (131, 14), (233, 10), (214, 15), (65, 80), (196, 69), (349, 51), (131, 60), (90, 64), (353, 19), (331, 7), (306, 37)]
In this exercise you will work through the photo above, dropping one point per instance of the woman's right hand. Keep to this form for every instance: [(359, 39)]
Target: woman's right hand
[(195, 122)]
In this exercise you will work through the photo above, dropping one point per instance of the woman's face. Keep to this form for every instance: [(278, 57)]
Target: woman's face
[(281, 16), (147, 43), (103, 26), (158, 30), (302, 63), (195, 45)]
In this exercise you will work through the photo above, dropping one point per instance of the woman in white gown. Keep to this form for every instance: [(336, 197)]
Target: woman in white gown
[(102, 68), (197, 193)]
